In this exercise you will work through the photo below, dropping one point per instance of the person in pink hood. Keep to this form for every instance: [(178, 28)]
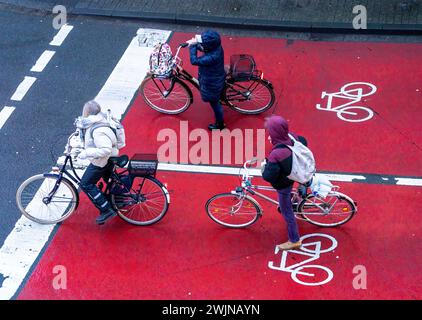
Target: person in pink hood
[(278, 167)]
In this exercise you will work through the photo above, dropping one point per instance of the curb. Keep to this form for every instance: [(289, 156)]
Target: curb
[(241, 23), (216, 21)]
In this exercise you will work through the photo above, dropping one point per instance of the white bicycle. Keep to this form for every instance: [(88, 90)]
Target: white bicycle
[(349, 111), (312, 249)]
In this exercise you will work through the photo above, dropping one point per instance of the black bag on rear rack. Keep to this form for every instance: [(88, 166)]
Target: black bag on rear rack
[(143, 165)]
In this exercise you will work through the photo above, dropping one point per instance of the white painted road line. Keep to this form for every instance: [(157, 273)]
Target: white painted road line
[(61, 35), (42, 61), (409, 182), (5, 113), (23, 88), (128, 74), (190, 168), (27, 239)]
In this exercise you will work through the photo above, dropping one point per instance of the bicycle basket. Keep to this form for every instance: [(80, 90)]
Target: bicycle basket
[(142, 165), (161, 60), (242, 67)]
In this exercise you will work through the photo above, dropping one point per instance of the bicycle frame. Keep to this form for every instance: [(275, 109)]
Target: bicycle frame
[(248, 187)]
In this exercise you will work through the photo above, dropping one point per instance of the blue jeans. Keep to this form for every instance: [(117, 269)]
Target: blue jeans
[(218, 110), (285, 201), (89, 181)]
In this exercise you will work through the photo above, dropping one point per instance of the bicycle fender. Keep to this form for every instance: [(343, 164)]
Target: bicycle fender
[(268, 83), (347, 197)]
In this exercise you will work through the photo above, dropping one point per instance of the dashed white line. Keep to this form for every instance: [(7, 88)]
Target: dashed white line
[(61, 35), (23, 88), (43, 60), (5, 113)]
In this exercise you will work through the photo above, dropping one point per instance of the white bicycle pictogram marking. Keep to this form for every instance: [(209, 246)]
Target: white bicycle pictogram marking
[(313, 254), (348, 111)]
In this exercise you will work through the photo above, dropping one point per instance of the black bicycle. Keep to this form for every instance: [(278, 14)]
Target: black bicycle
[(245, 91), (138, 197)]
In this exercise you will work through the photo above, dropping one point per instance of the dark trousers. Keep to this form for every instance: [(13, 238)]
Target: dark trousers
[(89, 181), (218, 110), (285, 201)]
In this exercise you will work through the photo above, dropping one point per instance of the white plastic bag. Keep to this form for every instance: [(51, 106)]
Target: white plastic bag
[(321, 186)]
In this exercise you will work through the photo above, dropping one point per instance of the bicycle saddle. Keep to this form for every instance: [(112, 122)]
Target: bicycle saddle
[(121, 161)]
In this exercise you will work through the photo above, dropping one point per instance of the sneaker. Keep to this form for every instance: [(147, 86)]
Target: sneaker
[(104, 216), (219, 125), (290, 245)]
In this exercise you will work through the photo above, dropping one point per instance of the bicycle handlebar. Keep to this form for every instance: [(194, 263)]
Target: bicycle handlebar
[(250, 162), (69, 148)]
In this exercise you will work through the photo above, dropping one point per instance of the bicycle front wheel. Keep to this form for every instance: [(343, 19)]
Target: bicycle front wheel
[(233, 211), (335, 210), (254, 96), (37, 202), (164, 96), (145, 204)]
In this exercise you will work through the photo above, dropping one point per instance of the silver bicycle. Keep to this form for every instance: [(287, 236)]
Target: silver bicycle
[(239, 209)]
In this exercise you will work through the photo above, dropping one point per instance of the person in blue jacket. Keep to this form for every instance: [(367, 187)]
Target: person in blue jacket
[(211, 71)]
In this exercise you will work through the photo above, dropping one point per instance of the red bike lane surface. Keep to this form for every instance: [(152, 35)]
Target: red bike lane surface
[(389, 143), (188, 256)]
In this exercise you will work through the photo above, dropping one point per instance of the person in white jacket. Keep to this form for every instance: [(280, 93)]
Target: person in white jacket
[(100, 144)]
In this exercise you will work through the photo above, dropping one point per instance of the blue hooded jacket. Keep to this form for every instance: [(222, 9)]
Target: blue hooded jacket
[(211, 71)]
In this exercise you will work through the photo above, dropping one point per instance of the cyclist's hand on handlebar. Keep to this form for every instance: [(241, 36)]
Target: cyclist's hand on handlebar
[(191, 42), (82, 155)]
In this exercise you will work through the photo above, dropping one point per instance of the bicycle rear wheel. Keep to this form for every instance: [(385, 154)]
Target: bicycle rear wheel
[(156, 93), (32, 196), (233, 211), (145, 204), (254, 96), (336, 209)]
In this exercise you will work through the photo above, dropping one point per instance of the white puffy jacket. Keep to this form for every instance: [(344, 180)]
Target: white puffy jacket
[(102, 145)]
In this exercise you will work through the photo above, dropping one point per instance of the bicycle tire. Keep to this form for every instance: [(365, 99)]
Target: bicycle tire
[(350, 210), (229, 99), (254, 217), (122, 211), (150, 101), (67, 187)]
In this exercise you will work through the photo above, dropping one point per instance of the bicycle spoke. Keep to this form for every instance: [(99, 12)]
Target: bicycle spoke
[(232, 211), (148, 203), (31, 197), (175, 101)]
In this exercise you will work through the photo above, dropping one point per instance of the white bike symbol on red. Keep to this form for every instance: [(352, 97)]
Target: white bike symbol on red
[(349, 111), (312, 249)]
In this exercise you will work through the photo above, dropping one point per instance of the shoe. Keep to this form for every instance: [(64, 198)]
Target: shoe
[(290, 245), (104, 216), (219, 125)]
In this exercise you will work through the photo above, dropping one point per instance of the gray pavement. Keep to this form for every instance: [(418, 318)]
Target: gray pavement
[(384, 16), (34, 136)]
